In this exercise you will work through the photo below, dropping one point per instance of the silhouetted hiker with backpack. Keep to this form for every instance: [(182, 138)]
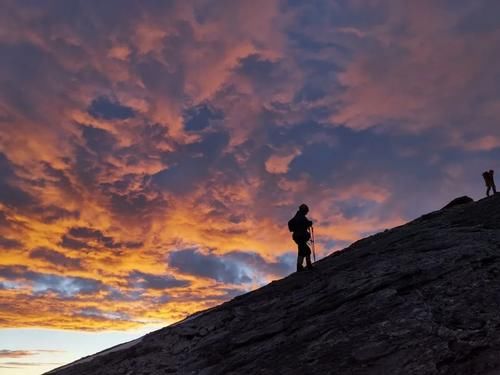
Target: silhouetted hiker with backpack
[(300, 225), (490, 182)]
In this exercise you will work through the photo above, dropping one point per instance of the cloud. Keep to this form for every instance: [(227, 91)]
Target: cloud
[(279, 164), (4, 353), (115, 294), (16, 353), (269, 79), (89, 238), (191, 131), (27, 364), (200, 117), (7, 243), (4, 221), (98, 140), (100, 314), (193, 262), (10, 193), (425, 76), (138, 279), (53, 213), (235, 268), (105, 108), (56, 258), (193, 163), (42, 283), (485, 143)]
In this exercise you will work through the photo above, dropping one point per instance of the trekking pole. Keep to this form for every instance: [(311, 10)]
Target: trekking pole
[(312, 238)]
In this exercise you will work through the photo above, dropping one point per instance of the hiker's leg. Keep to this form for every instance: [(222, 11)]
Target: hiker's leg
[(494, 189), (303, 252), (308, 261), (300, 260), (488, 191)]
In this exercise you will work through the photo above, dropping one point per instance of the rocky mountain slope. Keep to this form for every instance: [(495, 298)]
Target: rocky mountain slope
[(422, 298)]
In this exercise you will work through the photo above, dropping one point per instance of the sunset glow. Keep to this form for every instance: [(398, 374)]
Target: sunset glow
[(152, 152)]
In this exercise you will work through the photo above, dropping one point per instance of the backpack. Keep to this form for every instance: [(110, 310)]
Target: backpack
[(291, 225), (487, 177)]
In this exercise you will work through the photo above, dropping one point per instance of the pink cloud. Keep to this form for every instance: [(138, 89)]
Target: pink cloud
[(279, 164), (279, 81), (429, 76)]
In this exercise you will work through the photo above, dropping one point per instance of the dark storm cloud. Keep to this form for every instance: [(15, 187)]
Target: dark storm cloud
[(89, 233), (85, 237), (193, 163), (65, 287), (481, 18), (108, 109), (115, 294), (283, 265), (341, 13), (91, 163), (32, 67), (138, 279), (199, 117), (7, 243), (141, 201), (259, 70), (161, 78), (86, 168), (124, 184), (193, 262), (327, 151), (10, 193), (13, 195), (98, 140), (234, 267), (364, 154), (4, 221), (134, 204), (52, 213), (71, 243), (56, 258), (59, 178), (270, 79)]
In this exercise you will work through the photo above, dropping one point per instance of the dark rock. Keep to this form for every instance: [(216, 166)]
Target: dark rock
[(372, 351), (459, 201), (420, 299)]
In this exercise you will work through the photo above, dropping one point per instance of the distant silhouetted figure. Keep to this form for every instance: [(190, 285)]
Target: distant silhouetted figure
[(489, 180), (300, 225)]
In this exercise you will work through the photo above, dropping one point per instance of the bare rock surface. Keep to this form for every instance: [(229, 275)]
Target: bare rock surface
[(420, 299)]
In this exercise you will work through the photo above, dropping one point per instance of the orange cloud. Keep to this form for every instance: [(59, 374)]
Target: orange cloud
[(102, 179), (279, 164)]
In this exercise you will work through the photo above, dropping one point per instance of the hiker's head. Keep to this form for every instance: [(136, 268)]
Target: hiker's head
[(491, 171), (303, 208)]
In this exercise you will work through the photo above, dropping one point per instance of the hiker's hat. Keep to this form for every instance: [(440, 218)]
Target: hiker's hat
[(303, 207)]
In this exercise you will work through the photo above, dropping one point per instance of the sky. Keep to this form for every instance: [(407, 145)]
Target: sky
[(152, 152)]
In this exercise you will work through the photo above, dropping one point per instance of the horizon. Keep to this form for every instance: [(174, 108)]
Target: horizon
[(151, 153)]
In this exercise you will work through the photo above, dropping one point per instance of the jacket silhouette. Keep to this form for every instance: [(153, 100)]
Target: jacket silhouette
[(489, 180), (300, 225)]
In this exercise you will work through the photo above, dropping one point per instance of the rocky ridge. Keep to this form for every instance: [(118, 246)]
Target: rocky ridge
[(419, 299)]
